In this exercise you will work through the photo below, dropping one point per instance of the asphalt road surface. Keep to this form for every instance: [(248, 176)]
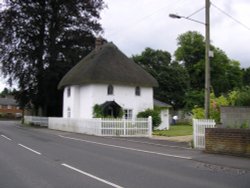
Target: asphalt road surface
[(42, 158)]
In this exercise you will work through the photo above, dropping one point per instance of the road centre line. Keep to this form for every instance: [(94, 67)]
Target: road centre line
[(127, 148), (91, 176), (5, 137), (34, 151)]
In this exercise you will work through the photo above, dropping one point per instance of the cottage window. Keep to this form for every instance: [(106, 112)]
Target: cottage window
[(68, 91), (0, 106), (9, 107), (68, 112), (137, 91), (128, 113), (110, 90)]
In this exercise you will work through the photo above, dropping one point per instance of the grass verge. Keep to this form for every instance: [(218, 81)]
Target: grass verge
[(175, 130)]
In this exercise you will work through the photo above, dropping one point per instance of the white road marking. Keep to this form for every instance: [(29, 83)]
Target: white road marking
[(30, 149), (5, 137), (132, 149), (91, 176)]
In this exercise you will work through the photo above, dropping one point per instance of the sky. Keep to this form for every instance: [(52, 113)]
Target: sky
[(134, 25)]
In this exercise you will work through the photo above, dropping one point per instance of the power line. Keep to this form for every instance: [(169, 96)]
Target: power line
[(132, 25), (195, 12), (228, 15)]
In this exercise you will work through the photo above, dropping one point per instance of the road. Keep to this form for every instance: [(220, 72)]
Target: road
[(42, 158)]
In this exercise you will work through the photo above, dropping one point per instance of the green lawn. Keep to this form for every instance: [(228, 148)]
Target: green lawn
[(175, 130)]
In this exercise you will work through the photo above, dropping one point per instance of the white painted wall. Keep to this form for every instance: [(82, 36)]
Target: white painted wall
[(83, 98), (164, 120), (71, 102)]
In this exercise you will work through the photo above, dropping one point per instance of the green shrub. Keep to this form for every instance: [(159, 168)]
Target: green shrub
[(155, 114), (97, 111), (244, 125), (198, 113)]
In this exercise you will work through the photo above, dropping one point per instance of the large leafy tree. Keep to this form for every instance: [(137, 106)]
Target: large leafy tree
[(191, 53), (225, 73), (246, 76), (172, 77), (40, 41)]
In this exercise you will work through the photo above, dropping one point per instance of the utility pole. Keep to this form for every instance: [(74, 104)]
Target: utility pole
[(207, 53), (207, 60)]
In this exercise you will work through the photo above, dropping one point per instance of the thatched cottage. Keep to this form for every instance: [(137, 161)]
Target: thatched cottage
[(106, 77)]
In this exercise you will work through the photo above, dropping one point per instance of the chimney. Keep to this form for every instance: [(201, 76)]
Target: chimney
[(98, 42)]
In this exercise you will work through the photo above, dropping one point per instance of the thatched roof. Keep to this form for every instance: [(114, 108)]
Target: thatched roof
[(107, 64)]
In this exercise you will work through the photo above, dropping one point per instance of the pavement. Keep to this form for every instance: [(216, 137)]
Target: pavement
[(186, 139), (213, 161)]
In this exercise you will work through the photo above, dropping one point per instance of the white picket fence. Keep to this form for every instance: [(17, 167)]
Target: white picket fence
[(37, 120), (199, 126), (141, 127)]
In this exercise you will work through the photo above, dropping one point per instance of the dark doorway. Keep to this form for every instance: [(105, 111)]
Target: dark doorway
[(111, 109)]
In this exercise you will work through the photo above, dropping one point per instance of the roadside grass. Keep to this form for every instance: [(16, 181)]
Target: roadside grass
[(175, 130)]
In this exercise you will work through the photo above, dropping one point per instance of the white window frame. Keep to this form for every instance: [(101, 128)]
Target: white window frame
[(137, 91), (128, 113), (68, 112), (110, 90), (68, 91)]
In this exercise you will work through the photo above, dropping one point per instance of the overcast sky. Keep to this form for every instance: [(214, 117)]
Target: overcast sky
[(134, 25)]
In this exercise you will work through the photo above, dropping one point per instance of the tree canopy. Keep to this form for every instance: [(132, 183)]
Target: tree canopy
[(181, 81), (225, 73), (40, 41), (172, 78)]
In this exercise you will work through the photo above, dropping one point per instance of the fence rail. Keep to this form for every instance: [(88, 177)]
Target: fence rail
[(141, 127), (123, 127), (37, 120), (199, 126)]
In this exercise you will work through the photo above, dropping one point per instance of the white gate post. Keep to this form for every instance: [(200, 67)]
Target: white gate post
[(194, 133), (124, 127), (150, 126), (199, 127)]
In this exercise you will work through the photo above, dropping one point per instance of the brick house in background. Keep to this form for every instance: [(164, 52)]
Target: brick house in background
[(9, 108)]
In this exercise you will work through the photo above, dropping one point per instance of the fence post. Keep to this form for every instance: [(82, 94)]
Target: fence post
[(194, 133), (124, 127), (99, 127), (150, 126), (199, 127)]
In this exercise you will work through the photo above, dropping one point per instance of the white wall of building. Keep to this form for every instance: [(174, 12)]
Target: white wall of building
[(83, 98), (71, 103)]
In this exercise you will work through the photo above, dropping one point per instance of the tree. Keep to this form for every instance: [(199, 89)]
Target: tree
[(241, 97), (225, 73), (191, 52), (246, 76), (153, 60), (172, 78), (40, 41), (7, 92)]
